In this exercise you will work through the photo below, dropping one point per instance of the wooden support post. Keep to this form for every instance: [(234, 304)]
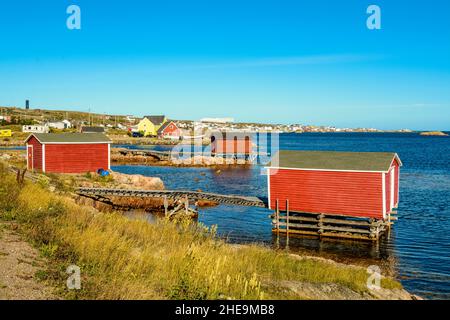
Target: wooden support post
[(320, 225), (166, 206), (277, 214), (186, 205), (287, 217)]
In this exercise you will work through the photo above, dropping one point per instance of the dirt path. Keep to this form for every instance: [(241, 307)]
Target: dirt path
[(19, 263)]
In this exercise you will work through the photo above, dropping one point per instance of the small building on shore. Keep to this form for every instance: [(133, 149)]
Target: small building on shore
[(149, 125), (232, 144), (354, 184), (35, 129), (169, 130), (68, 152), (5, 133), (59, 125), (7, 119)]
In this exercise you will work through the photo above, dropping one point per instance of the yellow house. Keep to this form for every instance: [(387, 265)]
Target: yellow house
[(5, 133), (149, 125)]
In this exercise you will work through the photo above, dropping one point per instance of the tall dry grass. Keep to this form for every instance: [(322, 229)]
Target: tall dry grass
[(132, 259)]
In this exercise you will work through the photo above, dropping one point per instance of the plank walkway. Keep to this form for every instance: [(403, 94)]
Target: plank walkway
[(175, 195), (167, 155), (160, 155)]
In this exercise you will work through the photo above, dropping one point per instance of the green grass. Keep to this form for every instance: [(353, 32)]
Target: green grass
[(133, 259)]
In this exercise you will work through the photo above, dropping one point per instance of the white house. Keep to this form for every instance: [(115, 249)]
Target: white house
[(35, 129), (61, 125), (68, 123)]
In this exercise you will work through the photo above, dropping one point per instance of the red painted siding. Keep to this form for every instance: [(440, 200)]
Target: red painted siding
[(357, 194), (388, 191), (37, 154), (75, 158), (232, 146), (171, 130), (397, 183)]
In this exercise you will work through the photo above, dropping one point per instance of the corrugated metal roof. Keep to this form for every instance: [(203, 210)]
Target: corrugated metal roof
[(70, 137), (334, 160)]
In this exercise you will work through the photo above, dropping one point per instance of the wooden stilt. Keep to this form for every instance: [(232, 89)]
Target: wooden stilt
[(324, 226), (186, 205), (166, 206), (287, 217), (278, 216), (320, 225)]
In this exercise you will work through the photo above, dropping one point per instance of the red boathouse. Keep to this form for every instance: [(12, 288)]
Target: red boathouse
[(68, 152), (232, 144), (354, 184)]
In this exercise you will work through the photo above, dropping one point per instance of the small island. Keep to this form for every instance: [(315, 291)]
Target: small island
[(434, 133)]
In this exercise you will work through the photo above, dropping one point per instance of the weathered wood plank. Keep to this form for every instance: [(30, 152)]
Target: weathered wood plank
[(325, 227), (174, 194), (327, 235)]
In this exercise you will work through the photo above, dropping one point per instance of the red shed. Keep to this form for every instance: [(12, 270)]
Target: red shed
[(232, 143), (68, 152), (357, 184), (169, 130)]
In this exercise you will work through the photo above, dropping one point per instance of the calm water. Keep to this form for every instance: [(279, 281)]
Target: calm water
[(418, 248)]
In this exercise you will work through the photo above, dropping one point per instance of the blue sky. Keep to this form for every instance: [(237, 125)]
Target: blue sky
[(310, 62)]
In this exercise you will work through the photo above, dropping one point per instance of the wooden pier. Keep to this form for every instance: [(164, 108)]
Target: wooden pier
[(328, 226), (193, 196), (284, 222), (158, 155), (167, 155)]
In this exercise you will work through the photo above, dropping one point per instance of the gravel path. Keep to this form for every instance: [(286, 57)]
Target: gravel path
[(19, 263)]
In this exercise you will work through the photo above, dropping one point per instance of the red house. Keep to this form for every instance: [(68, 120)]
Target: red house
[(357, 184), (68, 152), (169, 130), (231, 144)]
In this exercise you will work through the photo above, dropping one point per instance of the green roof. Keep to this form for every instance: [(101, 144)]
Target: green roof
[(334, 160), (71, 137)]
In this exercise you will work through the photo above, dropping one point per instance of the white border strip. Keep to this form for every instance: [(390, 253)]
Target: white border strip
[(396, 157), (99, 142), (268, 186), (32, 156), (311, 169), (43, 158), (383, 181), (397, 190), (109, 157)]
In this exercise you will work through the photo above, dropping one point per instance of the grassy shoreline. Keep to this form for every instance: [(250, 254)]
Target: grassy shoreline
[(132, 259)]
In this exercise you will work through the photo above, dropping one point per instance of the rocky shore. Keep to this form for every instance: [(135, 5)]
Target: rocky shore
[(434, 133), (196, 161)]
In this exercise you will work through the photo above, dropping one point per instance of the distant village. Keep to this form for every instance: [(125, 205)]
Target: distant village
[(38, 120)]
